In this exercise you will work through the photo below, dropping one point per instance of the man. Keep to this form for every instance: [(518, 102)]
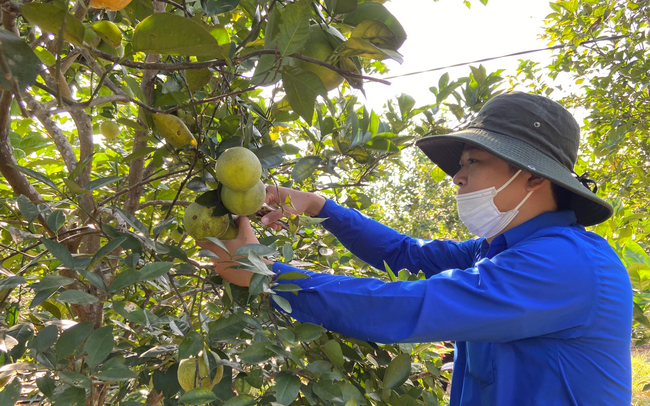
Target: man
[(540, 309)]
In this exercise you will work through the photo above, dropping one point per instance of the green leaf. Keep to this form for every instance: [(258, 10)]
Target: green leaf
[(138, 154), (241, 400), (72, 338), (259, 249), (52, 281), (11, 282), (133, 222), (50, 17), (116, 374), (270, 156), (292, 275), (124, 279), (59, 252), (214, 7), (45, 338), (282, 302), (376, 11), (256, 353), (99, 345), (105, 250), (633, 253), (397, 371), (79, 297), (154, 269), (131, 312), (22, 62), (80, 167), (294, 27), (27, 208), (306, 332), (377, 33), (191, 345), (101, 182), (333, 351), (391, 274), (287, 387), (305, 167), (198, 396), (10, 394), (46, 385), (259, 265), (225, 328), (56, 219), (302, 87), (361, 47), (71, 397), (166, 33), (138, 127)]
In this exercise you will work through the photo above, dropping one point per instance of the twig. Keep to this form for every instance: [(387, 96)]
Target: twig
[(183, 203), (142, 182), (92, 103)]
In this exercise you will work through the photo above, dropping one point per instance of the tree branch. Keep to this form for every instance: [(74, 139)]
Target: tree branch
[(164, 203), (169, 67), (60, 140), (141, 137)]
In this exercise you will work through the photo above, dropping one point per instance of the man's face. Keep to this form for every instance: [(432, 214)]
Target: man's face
[(481, 170)]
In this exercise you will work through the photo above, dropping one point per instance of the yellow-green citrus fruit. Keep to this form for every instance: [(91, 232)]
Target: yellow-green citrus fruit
[(111, 5), (108, 31), (238, 169), (200, 224), (173, 129), (244, 203), (197, 78), (109, 129), (319, 47), (187, 373), (232, 232)]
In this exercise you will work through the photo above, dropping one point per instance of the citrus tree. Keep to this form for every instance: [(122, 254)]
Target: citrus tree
[(112, 116)]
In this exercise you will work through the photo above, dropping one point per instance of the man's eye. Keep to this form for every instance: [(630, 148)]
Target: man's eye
[(471, 161)]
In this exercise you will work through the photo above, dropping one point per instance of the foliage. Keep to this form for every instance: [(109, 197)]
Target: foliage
[(103, 293)]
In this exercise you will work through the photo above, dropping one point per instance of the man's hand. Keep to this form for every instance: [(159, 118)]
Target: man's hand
[(223, 265), (302, 202)]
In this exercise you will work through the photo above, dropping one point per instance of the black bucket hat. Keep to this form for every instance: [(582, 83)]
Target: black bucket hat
[(532, 133)]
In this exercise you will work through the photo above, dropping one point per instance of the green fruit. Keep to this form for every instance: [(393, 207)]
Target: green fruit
[(109, 129), (109, 32), (244, 203), (319, 47), (197, 78), (232, 232), (238, 169), (200, 224), (173, 129), (187, 373)]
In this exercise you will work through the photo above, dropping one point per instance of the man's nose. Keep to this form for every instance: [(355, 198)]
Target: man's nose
[(460, 178)]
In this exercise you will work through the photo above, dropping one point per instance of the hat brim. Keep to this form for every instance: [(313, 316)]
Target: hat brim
[(445, 151)]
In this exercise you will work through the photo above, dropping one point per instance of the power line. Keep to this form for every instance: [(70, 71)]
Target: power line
[(615, 37)]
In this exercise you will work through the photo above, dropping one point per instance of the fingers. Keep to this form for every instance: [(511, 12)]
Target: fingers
[(270, 218)]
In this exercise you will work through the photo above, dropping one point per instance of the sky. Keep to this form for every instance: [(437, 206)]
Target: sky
[(446, 32)]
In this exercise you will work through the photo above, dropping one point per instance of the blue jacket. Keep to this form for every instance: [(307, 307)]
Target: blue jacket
[(541, 316)]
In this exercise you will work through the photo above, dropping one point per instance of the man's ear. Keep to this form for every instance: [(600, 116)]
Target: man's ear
[(535, 182)]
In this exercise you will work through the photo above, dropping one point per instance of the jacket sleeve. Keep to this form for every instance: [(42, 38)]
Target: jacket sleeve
[(522, 292), (375, 243)]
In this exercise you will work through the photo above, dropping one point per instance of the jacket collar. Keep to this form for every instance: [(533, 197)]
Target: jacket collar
[(528, 228)]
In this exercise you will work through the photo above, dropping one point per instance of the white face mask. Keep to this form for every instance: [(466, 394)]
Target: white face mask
[(479, 213)]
